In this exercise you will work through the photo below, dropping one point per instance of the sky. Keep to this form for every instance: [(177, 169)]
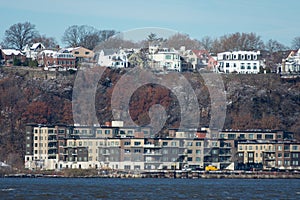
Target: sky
[(270, 19)]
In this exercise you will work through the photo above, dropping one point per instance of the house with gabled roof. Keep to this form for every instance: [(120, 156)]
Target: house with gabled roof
[(32, 52), (8, 56), (292, 63), (197, 59)]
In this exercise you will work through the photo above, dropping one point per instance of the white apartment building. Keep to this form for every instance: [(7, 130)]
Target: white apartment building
[(242, 62)]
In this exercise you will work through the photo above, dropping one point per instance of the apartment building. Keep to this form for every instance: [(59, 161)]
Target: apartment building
[(269, 154), (242, 62), (119, 147)]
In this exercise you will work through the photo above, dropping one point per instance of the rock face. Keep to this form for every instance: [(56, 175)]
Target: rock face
[(263, 101)]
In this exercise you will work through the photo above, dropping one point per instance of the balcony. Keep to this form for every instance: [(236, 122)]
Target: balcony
[(149, 146), (269, 158), (153, 154), (105, 153), (52, 147), (153, 161)]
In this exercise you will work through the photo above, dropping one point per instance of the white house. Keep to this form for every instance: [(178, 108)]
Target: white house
[(32, 52), (165, 58), (114, 58), (243, 62), (292, 63)]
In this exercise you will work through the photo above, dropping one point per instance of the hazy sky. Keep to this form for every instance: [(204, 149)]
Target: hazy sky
[(271, 19)]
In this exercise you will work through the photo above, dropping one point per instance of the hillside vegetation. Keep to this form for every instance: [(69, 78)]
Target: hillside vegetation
[(262, 101)]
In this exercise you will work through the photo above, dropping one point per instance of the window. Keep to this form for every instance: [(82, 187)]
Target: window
[(87, 53), (137, 143), (250, 147), (76, 52), (279, 162), (295, 163), (137, 151), (240, 147), (214, 151), (107, 132), (258, 136), (198, 144), (231, 136), (168, 57), (279, 148), (99, 131), (269, 136), (286, 162), (295, 155), (242, 136), (165, 143), (295, 147), (173, 144), (127, 167), (190, 159), (199, 152), (251, 136), (279, 155), (227, 64), (126, 150), (127, 143), (251, 155), (190, 151), (198, 159), (286, 155), (222, 135), (286, 147), (129, 132)]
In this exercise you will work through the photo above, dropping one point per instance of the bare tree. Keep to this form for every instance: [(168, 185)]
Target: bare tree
[(296, 43), (238, 41), (115, 43), (207, 43), (178, 40), (48, 42), (273, 46), (20, 34), (85, 36)]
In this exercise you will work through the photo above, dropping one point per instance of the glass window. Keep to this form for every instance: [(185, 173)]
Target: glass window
[(295, 147)]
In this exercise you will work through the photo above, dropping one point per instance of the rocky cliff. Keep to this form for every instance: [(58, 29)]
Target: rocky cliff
[(263, 101)]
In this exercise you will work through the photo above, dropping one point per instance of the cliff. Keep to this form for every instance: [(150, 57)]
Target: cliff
[(263, 101)]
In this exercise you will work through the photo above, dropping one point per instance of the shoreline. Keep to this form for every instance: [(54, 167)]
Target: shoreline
[(170, 175)]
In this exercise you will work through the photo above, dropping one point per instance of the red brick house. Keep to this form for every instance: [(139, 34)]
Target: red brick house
[(7, 56), (49, 58)]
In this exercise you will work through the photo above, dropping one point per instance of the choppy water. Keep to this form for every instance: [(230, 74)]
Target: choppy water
[(97, 188)]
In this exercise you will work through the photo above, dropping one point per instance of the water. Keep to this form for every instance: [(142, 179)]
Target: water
[(97, 188)]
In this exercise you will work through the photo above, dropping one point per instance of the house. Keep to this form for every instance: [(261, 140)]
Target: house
[(197, 59), (50, 58), (9, 55), (32, 52), (291, 64), (164, 59), (116, 58), (82, 54), (243, 62)]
